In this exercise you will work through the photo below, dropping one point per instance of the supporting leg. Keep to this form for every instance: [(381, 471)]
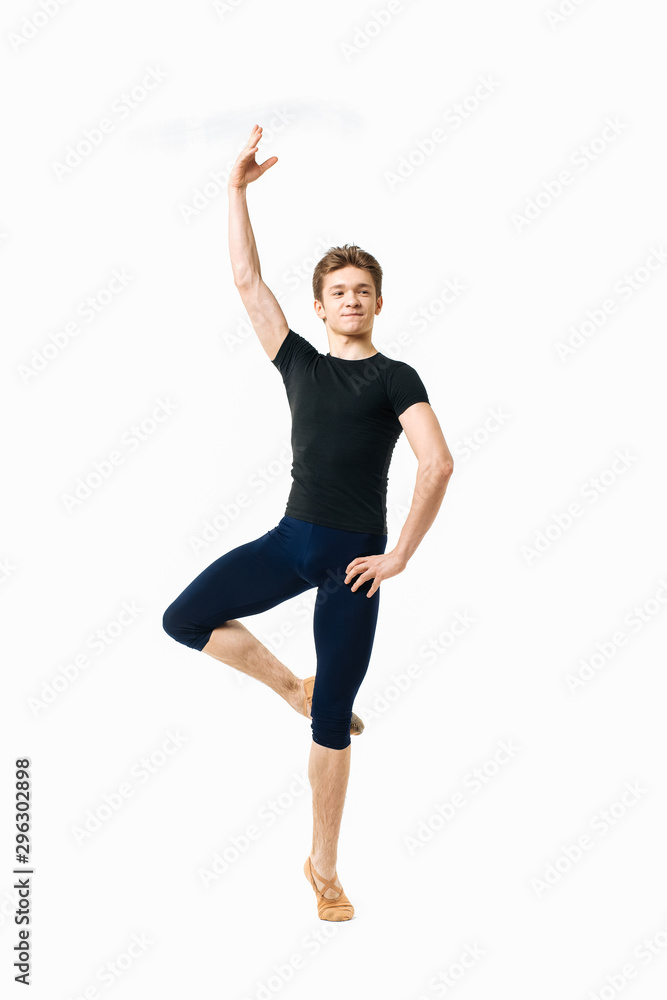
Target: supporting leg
[(328, 773), (234, 645), (344, 628)]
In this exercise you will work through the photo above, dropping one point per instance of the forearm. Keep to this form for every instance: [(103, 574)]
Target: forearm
[(242, 247), (428, 495)]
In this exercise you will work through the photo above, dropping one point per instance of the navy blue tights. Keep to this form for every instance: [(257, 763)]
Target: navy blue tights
[(293, 557)]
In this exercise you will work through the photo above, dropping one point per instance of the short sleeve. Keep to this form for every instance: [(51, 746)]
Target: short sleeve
[(405, 387), (293, 351)]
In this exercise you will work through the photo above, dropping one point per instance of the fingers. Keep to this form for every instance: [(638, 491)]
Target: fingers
[(354, 568), (253, 146), (368, 575), (374, 586), (255, 136), (362, 566), (247, 154), (359, 565)]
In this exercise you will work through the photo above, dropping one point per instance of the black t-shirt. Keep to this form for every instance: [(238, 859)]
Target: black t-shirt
[(344, 428)]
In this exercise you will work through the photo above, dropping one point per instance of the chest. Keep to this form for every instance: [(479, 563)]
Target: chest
[(334, 397)]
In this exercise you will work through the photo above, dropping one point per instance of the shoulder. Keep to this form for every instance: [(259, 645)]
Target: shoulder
[(396, 371), (403, 384), (293, 347), (393, 365)]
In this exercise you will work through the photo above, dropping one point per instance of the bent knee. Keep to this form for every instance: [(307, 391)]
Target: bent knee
[(177, 625), (331, 732)]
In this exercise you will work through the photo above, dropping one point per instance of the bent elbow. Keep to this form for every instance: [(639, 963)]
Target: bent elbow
[(445, 472), (439, 471)]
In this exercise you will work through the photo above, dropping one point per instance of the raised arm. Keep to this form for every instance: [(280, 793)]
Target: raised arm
[(262, 306)]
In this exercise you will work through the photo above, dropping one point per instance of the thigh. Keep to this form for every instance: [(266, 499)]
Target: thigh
[(344, 623), (247, 580)]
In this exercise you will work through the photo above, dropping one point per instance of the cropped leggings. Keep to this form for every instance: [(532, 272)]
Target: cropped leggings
[(289, 559)]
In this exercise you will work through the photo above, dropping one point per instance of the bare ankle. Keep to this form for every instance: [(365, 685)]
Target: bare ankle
[(323, 866), (295, 694)]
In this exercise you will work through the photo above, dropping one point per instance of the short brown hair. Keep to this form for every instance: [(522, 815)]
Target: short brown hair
[(348, 255)]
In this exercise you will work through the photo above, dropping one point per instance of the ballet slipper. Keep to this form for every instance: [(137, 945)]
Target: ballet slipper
[(328, 909), (356, 725)]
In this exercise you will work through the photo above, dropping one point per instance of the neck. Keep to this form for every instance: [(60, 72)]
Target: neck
[(350, 348)]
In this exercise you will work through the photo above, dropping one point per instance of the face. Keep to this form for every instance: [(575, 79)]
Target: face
[(348, 300)]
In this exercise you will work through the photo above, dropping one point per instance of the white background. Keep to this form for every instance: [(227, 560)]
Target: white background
[(354, 102)]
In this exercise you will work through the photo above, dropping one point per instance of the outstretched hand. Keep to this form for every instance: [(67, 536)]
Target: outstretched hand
[(246, 169), (376, 568)]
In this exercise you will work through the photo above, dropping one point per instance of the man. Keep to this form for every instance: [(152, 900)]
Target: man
[(348, 409)]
